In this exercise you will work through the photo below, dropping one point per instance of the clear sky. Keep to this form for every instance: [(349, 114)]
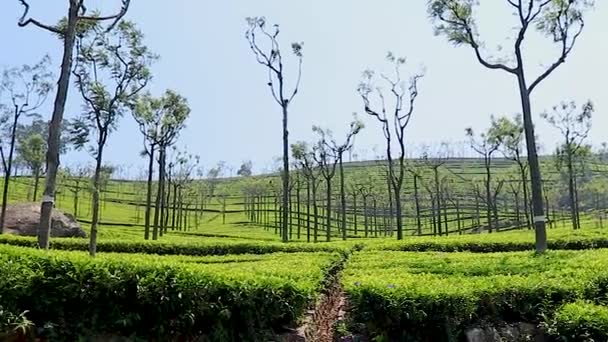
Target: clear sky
[(205, 56)]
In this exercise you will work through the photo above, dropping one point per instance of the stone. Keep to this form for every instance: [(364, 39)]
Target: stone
[(23, 219), (517, 332)]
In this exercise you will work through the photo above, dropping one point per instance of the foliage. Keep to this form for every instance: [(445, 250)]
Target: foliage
[(415, 296), (237, 298), (111, 69), (559, 239), (580, 321), (198, 247)]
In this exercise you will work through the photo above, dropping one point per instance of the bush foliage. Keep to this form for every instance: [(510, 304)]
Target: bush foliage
[(240, 298), (409, 296), (198, 247), (580, 321)]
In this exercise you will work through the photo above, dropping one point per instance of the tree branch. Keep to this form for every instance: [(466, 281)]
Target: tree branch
[(24, 21)]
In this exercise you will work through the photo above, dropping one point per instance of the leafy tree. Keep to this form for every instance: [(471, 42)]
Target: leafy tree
[(111, 69), (67, 29), (32, 151), (184, 165), (510, 135), (394, 123), (160, 120), (245, 169), (273, 61), (574, 124), (559, 20), (23, 91)]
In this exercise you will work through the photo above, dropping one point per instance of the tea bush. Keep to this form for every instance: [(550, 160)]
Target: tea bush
[(580, 321), (404, 295), (240, 298)]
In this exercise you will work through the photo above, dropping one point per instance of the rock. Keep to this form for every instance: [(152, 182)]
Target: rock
[(517, 332), (22, 219)]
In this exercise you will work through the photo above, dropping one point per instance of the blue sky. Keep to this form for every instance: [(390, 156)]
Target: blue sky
[(205, 57)]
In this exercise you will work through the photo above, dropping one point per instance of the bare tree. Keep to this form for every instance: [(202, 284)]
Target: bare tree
[(111, 69), (574, 124), (435, 158), (273, 61), (485, 145), (304, 156), (26, 90), (393, 120), (338, 150), (560, 21), (67, 30), (327, 162)]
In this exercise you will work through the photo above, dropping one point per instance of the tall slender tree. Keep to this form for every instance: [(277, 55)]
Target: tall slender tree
[(159, 120), (510, 135), (485, 145), (338, 150), (67, 29), (561, 21), (393, 120), (112, 68), (303, 154), (25, 89), (327, 162), (272, 59), (574, 124)]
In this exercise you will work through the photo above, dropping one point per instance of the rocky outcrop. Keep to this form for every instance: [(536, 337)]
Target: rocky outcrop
[(22, 219)]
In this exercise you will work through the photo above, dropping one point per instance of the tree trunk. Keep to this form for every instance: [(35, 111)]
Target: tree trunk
[(417, 202), (95, 202), (36, 183), (365, 220), (298, 217), (76, 195), (328, 211), (438, 199), (571, 188), (172, 187), (149, 193), (52, 154), (315, 211), (342, 197), (488, 194), (160, 197), (8, 169), (285, 174), (355, 213), (308, 211), (398, 212), (524, 181), (535, 175)]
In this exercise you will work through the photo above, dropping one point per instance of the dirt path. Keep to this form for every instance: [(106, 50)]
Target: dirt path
[(330, 309)]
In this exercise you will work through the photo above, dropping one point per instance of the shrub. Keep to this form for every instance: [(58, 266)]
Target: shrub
[(198, 247), (417, 296), (243, 298), (517, 241), (580, 321)]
